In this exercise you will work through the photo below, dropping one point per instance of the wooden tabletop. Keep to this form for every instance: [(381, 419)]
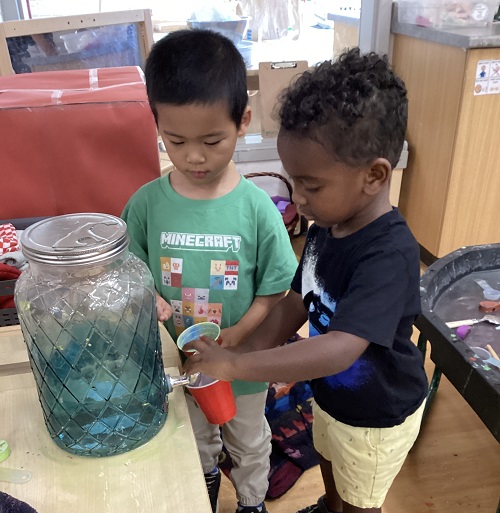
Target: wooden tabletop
[(164, 475)]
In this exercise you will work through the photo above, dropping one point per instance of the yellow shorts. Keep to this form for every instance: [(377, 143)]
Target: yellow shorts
[(365, 461)]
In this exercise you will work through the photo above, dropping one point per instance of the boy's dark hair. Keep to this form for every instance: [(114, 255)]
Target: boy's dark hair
[(197, 66), (355, 107)]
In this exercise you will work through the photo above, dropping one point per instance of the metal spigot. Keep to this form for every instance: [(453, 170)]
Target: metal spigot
[(183, 379)]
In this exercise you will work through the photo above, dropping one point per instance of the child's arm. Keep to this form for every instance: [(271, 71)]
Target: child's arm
[(287, 316), (257, 312), (306, 359), (321, 356), (283, 321)]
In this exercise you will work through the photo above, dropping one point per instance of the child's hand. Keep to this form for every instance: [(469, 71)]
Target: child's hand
[(210, 359), (228, 337), (163, 309)]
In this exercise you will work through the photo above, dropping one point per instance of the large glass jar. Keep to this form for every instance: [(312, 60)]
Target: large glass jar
[(87, 312)]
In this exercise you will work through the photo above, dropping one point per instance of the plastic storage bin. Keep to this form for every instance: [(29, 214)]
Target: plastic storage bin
[(245, 48), (235, 30), (447, 13)]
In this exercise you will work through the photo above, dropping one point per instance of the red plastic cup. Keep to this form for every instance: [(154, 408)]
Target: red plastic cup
[(215, 398)]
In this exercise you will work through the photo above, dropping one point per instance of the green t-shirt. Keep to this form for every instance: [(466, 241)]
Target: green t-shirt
[(210, 258)]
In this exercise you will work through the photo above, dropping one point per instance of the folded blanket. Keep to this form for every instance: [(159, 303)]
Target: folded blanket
[(15, 259), (292, 449), (8, 238)]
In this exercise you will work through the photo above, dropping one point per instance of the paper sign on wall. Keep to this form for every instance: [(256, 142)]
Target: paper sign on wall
[(487, 77)]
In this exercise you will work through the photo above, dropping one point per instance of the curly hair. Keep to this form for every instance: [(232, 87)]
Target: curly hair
[(355, 107)]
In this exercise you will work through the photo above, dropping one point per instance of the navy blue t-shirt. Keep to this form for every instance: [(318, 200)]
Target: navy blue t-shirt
[(367, 284)]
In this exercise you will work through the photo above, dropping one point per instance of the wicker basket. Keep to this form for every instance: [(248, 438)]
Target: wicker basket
[(290, 216)]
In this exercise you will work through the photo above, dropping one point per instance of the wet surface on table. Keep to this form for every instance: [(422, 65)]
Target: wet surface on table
[(461, 302)]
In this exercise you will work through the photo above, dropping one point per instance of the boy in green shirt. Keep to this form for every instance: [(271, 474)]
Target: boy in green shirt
[(215, 243)]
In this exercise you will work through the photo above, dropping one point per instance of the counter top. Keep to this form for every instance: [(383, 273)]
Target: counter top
[(163, 475), (474, 37), (346, 16)]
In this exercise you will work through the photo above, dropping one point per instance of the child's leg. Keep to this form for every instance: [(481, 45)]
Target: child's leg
[(332, 498), (364, 460), (247, 437), (209, 443), (207, 436)]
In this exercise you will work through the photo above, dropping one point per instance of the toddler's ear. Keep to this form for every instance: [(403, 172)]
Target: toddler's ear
[(377, 176), (245, 121)]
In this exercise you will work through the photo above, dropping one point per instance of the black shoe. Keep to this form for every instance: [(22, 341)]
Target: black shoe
[(319, 507), (252, 509), (213, 484)]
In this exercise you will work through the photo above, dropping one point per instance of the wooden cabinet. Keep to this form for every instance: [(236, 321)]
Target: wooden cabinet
[(450, 191)]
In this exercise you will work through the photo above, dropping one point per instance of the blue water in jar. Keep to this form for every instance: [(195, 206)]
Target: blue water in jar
[(100, 378), (87, 310)]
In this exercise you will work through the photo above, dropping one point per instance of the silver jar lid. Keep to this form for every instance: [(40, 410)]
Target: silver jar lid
[(75, 239)]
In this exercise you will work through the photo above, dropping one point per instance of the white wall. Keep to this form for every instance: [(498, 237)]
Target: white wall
[(162, 9), (11, 10)]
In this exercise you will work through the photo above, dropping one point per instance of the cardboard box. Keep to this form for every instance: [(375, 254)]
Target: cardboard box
[(74, 141)]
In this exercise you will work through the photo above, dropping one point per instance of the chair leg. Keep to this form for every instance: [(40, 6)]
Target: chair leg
[(434, 384), (422, 344), (436, 377)]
